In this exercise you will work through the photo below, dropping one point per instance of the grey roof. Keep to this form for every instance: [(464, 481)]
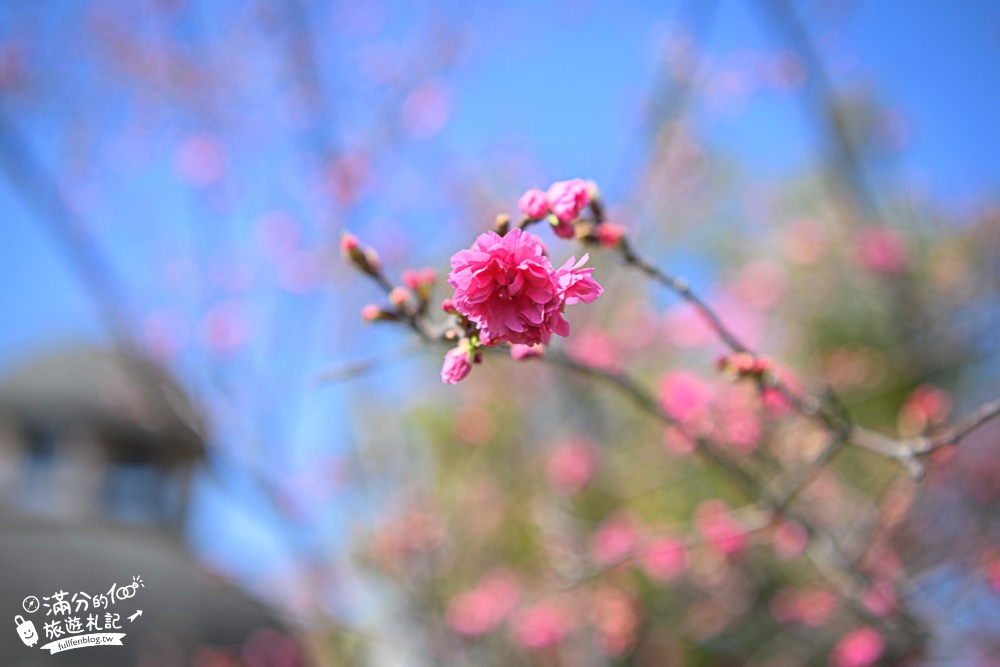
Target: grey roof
[(133, 401), (183, 607)]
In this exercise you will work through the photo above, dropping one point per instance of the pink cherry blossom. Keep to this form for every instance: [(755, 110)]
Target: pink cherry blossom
[(858, 648), (609, 234), (541, 626), (684, 396), (483, 608), (571, 466), (614, 540), (568, 198), (533, 204), (456, 365), (719, 528), (664, 559), (882, 250), (790, 539), (508, 287)]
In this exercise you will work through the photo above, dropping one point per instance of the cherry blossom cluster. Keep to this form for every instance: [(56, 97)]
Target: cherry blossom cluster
[(507, 291)]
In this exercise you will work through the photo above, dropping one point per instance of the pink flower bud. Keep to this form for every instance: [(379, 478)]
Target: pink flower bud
[(567, 199), (399, 296), (533, 204), (370, 312), (563, 228), (456, 365), (609, 234), (859, 648), (348, 243), (448, 306)]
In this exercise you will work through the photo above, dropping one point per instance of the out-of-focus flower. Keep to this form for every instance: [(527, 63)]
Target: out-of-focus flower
[(399, 296), (880, 597), (541, 626), (859, 648), (664, 559), (882, 250), (567, 199), (717, 525), (596, 349), (615, 618), (456, 365), (790, 539), (609, 234), (507, 286), (925, 407), (533, 204), (684, 396), (613, 542), (571, 466), (482, 609)]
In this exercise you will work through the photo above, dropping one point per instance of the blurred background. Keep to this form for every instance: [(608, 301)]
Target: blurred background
[(188, 393)]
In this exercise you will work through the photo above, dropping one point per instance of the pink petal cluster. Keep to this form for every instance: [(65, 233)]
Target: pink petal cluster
[(507, 286), (533, 204), (567, 199), (480, 610)]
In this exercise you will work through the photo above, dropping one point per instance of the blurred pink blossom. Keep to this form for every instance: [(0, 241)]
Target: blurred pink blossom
[(790, 539), (613, 541), (677, 442), (882, 250), (427, 109), (482, 609), (664, 559), (456, 365), (609, 234), (717, 525), (859, 648), (541, 626), (595, 348), (684, 396), (571, 466), (880, 597), (616, 618)]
